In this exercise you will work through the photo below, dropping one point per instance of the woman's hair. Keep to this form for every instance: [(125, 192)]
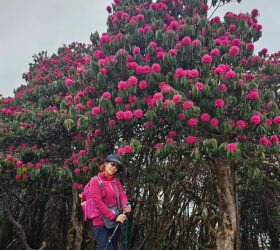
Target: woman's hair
[(102, 167)]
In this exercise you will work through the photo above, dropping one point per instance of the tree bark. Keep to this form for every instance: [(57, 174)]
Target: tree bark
[(77, 224), (227, 224)]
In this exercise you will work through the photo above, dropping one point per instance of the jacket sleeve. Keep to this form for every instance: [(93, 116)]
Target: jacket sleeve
[(95, 195), (123, 197)]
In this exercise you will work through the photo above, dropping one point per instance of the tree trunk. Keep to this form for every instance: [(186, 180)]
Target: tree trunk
[(226, 231)]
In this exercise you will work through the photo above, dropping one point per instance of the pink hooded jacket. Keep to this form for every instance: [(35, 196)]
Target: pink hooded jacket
[(104, 196)]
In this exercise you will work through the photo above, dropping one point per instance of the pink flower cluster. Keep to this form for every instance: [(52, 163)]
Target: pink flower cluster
[(192, 73), (252, 94), (191, 139), (231, 147), (127, 149)]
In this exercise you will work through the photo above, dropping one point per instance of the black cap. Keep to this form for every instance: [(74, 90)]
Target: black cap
[(113, 158)]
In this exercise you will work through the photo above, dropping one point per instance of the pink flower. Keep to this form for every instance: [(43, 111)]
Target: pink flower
[(18, 176), (156, 67), (9, 157), (230, 74), (81, 70), (214, 122), (90, 103), (215, 52), (166, 88), (191, 73), (219, 103), (241, 137), (127, 149), (158, 96), (136, 50), (104, 38), (109, 8), (77, 170), (112, 122), (196, 43), (69, 81), (268, 122), (255, 12), (176, 98), (120, 151), (79, 106), (244, 61), (76, 162), (264, 141), (274, 138), (232, 27), (118, 99), (172, 133), (182, 116), (143, 84), (107, 95), (127, 106), (25, 176), (187, 104), (206, 59), (223, 87), (231, 147), (172, 52), (82, 152), (96, 110), (252, 94), (250, 46), (127, 115), (192, 122), (97, 132), (234, 50), (138, 113), (132, 98), (160, 54), (132, 80), (122, 85), (179, 72), (256, 119), (199, 85), (205, 117), (264, 50), (158, 145), (120, 115), (169, 140), (241, 124), (276, 119), (186, 40), (191, 139)]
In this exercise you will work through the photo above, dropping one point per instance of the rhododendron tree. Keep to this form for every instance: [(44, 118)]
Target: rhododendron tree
[(181, 97)]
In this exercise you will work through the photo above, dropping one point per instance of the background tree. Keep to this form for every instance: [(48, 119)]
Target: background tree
[(181, 98)]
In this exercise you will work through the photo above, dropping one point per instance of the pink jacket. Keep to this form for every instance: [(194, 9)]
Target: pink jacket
[(104, 196)]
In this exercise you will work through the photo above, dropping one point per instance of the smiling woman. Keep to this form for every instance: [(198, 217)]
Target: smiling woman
[(110, 200)]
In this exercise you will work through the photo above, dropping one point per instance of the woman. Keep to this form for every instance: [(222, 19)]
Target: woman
[(107, 191)]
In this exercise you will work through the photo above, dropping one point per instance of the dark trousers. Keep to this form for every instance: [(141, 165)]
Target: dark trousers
[(102, 234)]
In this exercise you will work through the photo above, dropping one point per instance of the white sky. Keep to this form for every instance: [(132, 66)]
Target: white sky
[(30, 26)]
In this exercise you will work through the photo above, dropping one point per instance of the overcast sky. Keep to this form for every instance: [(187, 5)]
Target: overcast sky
[(30, 26)]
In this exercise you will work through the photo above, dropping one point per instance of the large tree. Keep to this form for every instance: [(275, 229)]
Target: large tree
[(181, 97)]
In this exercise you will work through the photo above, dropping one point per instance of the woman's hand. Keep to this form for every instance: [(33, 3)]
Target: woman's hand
[(127, 209), (121, 218)]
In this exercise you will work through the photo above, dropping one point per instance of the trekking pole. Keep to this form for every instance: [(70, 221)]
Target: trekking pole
[(126, 232), (112, 235)]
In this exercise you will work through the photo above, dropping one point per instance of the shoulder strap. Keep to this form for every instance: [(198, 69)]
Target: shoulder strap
[(117, 193), (99, 181)]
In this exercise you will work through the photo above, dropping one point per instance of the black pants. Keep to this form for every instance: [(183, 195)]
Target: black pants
[(102, 234)]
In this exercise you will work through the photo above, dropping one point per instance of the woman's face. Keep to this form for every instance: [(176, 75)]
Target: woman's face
[(111, 168)]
